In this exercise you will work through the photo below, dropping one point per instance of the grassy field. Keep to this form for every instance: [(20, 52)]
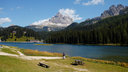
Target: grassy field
[(23, 38), (9, 49), (12, 64)]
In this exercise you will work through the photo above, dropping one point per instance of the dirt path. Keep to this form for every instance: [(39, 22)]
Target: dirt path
[(21, 55), (7, 54)]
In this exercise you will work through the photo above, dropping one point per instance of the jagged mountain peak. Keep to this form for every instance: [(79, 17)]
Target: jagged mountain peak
[(62, 19), (112, 11), (57, 22)]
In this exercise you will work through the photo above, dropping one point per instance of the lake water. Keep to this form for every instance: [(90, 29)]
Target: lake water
[(87, 51)]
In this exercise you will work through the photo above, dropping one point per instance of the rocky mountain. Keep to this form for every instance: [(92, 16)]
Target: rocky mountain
[(112, 11), (124, 11), (60, 21), (59, 18), (57, 22)]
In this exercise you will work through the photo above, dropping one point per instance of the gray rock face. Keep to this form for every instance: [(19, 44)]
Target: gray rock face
[(59, 18), (112, 11), (58, 22), (124, 11)]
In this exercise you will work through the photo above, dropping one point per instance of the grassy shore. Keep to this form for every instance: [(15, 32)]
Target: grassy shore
[(123, 64), (9, 49), (109, 44), (13, 64), (30, 52)]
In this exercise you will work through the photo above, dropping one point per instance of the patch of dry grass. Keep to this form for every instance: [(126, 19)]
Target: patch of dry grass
[(39, 53)]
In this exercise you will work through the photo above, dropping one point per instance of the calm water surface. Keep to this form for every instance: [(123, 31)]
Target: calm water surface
[(87, 51)]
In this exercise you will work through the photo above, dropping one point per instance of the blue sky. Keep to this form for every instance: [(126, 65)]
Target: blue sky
[(26, 12)]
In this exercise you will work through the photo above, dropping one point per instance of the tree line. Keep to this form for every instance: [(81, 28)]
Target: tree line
[(6, 33), (109, 30)]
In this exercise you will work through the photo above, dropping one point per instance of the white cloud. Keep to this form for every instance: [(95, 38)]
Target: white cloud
[(18, 7), (39, 22), (71, 13), (77, 1), (1, 8), (94, 2), (4, 20)]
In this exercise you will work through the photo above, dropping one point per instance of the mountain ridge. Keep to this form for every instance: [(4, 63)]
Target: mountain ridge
[(57, 22), (112, 11)]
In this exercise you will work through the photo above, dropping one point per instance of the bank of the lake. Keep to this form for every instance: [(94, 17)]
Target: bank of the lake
[(105, 52), (8, 63), (110, 44)]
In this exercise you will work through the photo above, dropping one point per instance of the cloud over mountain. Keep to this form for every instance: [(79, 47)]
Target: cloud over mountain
[(62, 19), (68, 15), (4, 20), (71, 13)]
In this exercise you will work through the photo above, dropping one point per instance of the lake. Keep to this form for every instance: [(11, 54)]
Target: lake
[(88, 51)]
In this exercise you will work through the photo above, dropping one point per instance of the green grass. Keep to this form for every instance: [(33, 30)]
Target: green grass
[(20, 39), (115, 58), (7, 50), (92, 66), (123, 64), (23, 38), (12, 64)]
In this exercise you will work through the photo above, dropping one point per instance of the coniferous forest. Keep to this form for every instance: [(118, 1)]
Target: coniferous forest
[(6, 33), (109, 30)]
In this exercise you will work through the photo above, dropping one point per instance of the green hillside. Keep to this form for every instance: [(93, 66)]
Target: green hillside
[(17, 33), (23, 38), (112, 30)]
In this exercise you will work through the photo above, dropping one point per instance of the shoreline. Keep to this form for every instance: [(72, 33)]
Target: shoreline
[(109, 44), (24, 53)]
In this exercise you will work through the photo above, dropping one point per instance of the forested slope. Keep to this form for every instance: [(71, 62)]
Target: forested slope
[(109, 30)]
